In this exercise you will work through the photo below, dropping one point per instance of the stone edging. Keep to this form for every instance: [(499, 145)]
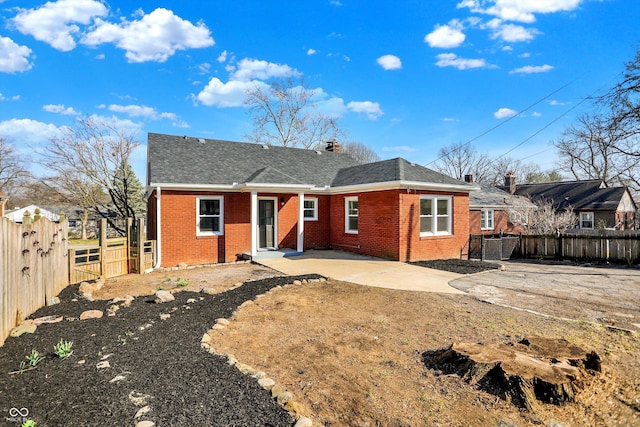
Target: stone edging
[(282, 396)]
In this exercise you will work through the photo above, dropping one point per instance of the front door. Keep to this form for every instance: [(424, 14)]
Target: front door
[(266, 223)]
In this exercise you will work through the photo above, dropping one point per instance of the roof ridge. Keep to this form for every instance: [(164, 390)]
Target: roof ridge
[(400, 169)]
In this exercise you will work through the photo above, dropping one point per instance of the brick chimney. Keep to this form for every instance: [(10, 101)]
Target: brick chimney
[(468, 178), (3, 201), (510, 182), (333, 147)]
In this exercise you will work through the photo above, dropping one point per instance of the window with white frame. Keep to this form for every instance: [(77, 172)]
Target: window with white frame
[(351, 215), (486, 219), (435, 215), (209, 216), (586, 220), (310, 209)]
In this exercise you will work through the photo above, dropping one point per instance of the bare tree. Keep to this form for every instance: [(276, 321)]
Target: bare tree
[(543, 218), (13, 169), (360, 152), (591, 149), (90, 160), (458, 160), (286, 114)]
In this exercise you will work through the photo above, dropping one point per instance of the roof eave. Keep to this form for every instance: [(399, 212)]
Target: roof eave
[(400, 185)]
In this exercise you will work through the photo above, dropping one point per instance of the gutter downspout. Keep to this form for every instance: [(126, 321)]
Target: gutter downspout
[(158, 230)]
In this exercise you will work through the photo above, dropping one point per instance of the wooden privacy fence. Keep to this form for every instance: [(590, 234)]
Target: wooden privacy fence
[(33, 268), (605, 247), (113, 257)]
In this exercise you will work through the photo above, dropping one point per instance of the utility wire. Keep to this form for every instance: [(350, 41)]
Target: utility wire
[(503, 122)]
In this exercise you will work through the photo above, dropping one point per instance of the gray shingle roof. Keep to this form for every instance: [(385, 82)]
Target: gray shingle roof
[(176, 160), (192, 161), (491, 197), (586, 195)]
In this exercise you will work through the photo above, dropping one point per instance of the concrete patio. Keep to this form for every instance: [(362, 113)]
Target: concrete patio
[(365, 270)]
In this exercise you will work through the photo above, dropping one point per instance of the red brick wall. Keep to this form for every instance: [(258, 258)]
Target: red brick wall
[(377, 224), (501, 223), (388, 226), (416, 248), (317, 234), (178, 235)]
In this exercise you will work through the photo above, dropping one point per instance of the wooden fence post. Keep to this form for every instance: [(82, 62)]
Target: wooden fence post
[(141, 239), (103, 248)]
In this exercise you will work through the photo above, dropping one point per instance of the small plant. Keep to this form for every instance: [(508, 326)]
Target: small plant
[(160, 288), (63, 349), (29, 423), (182, 282), (23, 366), (34, 358)]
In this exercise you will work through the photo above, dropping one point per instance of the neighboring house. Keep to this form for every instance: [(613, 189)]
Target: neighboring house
[(493, 210), (595, 204), (17, 214), (213, 201)]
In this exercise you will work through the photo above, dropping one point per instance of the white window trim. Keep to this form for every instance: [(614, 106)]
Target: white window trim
[(346, 214), (593, 220), (434, 216), (210, 233), (484, 219), (315, 208)]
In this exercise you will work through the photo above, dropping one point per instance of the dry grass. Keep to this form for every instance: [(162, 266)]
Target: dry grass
[(352, 355)]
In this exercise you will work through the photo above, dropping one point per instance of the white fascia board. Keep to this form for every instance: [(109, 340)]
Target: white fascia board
[(244, 187), (197, 187), (274, 188), (397, 185)]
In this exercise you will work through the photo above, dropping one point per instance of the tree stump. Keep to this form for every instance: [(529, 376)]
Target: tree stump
[(532, 370)]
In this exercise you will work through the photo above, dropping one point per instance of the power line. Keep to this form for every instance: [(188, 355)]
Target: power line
[(503, 122)]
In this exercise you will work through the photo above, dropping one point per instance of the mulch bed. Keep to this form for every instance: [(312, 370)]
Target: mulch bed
[(459, 266), (161, 359)]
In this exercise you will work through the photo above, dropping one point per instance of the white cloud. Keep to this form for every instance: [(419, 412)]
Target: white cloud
[(55, 22), (536, 114), (154, 37), (503, 113), (514, 33), (452, 60), (389, 62), (27, 131), (60, 109), (531, 69), (204, 68), (147, 112), (557, 103), (371, 109), (311, 52), (450, 119), (249, 69), (404, 148), (222, 57), (519, 10), (13, 57), (525, 55), (230, 94), (446, 36)]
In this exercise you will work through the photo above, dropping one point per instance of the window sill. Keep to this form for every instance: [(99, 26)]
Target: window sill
[(434, 236)]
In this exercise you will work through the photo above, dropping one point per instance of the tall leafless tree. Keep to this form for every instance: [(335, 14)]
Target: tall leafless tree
[(87, 163), (360, 152), (13, 168), (458, 160), (594, 148), (286, 114)]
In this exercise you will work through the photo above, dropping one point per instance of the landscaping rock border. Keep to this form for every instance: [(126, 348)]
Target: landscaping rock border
[(278, 393)]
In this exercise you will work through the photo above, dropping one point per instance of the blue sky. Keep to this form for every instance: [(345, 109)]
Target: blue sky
[(405, 77)]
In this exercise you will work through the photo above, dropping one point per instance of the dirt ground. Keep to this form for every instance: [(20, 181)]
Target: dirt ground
[(352, 355), (214, 279)]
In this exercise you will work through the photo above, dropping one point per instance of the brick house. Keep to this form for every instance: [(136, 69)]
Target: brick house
[(213, 201), (494, 211), (595, 204)]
